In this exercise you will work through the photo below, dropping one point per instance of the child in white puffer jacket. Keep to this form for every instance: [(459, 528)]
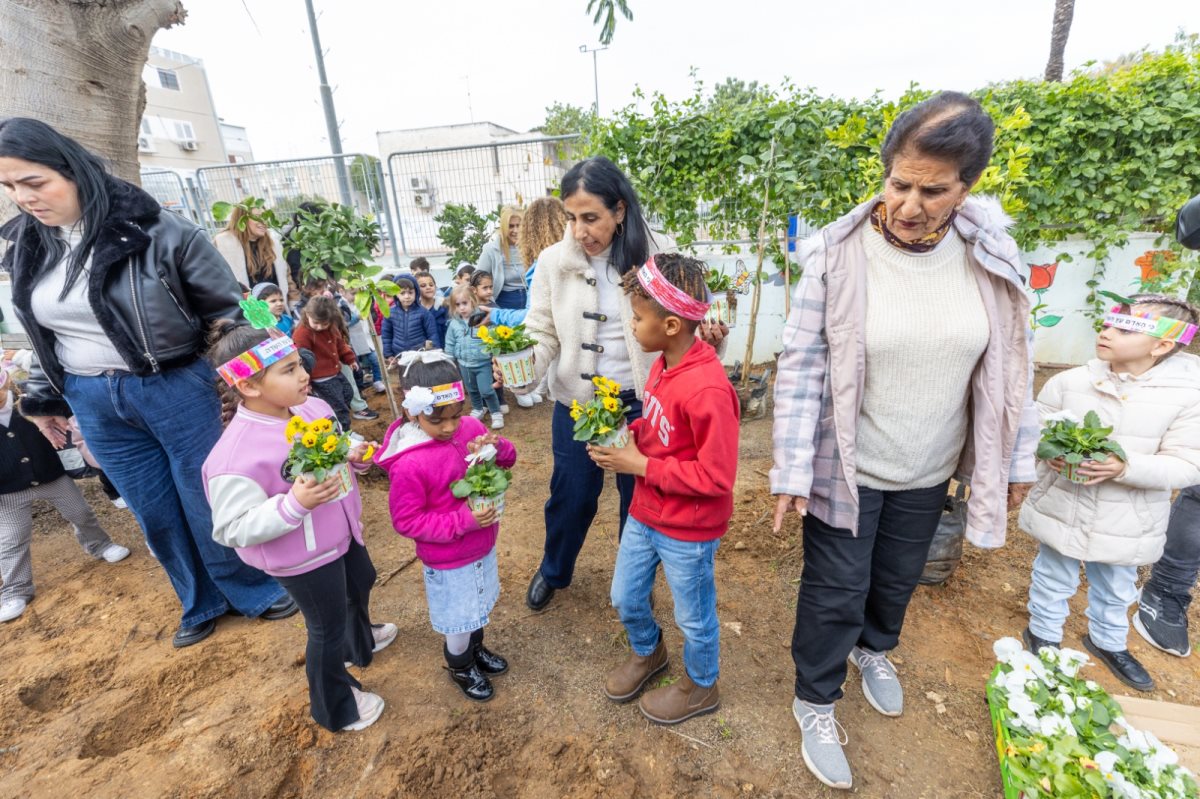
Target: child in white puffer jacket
[(1148, 391)]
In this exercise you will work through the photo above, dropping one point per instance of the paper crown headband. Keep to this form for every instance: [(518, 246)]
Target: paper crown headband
[(261, 355), (1122, 317), (421, 400), (669, 296)]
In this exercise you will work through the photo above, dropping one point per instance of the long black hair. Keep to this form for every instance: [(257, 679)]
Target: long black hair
[(34, 140), (601, 177)]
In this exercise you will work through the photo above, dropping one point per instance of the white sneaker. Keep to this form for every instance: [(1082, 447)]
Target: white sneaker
[(379, 387), (383, 634), (504, 407), (525, 400), (478, 413), (120, 503), (11, 609), (536, 397), (114, 552), (497, 421), (370, 708)]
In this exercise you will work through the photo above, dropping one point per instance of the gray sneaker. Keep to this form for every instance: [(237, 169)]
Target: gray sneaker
[(880, 684), (823, 742), (1162, 620)]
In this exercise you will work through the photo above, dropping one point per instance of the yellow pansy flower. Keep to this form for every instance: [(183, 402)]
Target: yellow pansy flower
[(602, 429), (576, 410), (504, 331), (598, 381), (614, 388), (611, 404), (309, 439), (331, 442), (369, 452), (295, 426), (321, 426)]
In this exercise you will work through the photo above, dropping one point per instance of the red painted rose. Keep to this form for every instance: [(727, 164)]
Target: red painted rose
[(1041, 276)]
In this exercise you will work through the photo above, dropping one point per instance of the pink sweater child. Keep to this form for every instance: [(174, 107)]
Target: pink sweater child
[(421, 470)]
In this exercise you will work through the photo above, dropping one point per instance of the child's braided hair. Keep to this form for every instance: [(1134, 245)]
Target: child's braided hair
[(1173, 307), (682, 272)]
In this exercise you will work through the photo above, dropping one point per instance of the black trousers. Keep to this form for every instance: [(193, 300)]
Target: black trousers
[(333, 600), (854, 590), (338, 393)]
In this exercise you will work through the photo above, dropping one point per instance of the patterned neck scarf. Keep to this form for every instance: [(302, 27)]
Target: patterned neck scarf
[(923, 244)]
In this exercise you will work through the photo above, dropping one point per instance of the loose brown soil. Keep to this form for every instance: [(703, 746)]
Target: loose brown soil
[(95, 702)]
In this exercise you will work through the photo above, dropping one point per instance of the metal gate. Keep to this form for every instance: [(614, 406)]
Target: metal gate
[(486, 176), (352, 179), (169, 189)]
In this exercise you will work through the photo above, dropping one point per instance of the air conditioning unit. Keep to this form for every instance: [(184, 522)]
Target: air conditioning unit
[(145, 145), (422, 200), (418, 184), (189, 145)]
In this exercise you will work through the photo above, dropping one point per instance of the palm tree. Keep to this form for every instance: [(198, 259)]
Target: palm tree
[(607, 10), (1064, 11)]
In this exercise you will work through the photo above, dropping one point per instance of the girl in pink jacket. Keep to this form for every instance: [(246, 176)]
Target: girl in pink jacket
[(423, 454), (298, 532)]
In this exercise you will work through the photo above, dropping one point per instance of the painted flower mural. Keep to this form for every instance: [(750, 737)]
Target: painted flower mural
[(1154, 264), (1041, 278)]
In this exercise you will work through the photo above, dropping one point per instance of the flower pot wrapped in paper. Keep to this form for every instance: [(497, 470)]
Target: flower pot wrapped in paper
[(1077, 441), (602, 420), (725, 289), (484, 484), (513, 350), (318, 453), (1059, 734)]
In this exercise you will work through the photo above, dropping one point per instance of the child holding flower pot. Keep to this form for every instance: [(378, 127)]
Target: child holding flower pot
[(305, 532), (684, 459), (1102, 501), (425, 454)]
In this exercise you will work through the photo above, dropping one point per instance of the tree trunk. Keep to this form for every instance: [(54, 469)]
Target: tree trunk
[(1064, 12), (77, 65)]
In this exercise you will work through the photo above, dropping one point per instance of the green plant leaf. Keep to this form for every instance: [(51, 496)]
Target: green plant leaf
[(1049, 320)]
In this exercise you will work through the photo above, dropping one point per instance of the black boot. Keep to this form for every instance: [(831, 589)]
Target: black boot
[(487, 662), (467, 676), (1124, 666), (1035, 644)]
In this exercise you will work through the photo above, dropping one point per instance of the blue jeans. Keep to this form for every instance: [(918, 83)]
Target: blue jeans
[(1111, 591), (369, 363), (1175, 573), (478, 380), (151, 436), (575, 486), (688, 567), (513, 299)]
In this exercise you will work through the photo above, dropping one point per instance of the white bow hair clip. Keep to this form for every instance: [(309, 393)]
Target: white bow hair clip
[(484, 454), (410, 357), (418, 400)]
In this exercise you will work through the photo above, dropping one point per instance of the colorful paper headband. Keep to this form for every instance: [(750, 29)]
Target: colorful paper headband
[(421, 400), (1122, 317), (669, 296), (255, 359)]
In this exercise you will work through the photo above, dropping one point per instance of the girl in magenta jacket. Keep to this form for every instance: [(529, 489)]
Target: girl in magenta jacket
[(298, 532), (423, 454)]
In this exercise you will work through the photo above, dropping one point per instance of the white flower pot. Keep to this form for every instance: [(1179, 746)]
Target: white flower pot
[(517, 367), (723, 310), (477, 502), (1071, 472), (617, 438), (342, 472)]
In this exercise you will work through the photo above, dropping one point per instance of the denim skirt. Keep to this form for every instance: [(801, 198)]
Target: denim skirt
[(460, 600)]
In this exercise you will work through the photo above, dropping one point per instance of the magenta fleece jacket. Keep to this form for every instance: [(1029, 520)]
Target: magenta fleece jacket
[(423, 509)]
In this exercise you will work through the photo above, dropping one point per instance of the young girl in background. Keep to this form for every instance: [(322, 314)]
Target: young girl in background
[(318, 332), (30, 469), (481, 284), (474, 362), (298, 532), (423, 454), (435, 303), (1148, 390)]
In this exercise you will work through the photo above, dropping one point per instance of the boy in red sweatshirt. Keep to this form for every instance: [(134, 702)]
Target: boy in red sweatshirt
[(684, 458)]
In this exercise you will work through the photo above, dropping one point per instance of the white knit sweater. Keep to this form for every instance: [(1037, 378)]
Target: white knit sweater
[(925, 332)]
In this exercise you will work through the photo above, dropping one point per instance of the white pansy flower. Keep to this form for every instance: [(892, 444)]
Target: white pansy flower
[(1082, 702), (1005, 648), (1028, 664), (1023, 710), (1071, 660), (1134, 740), (1054, 725), (1062, 416), (1092, 685), (1068, 704)]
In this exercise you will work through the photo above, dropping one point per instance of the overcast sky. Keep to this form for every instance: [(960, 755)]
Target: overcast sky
[(410, 64)]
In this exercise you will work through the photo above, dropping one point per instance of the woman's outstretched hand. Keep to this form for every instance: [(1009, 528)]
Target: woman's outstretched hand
[(783, 504), (713, 333), (54, 428)]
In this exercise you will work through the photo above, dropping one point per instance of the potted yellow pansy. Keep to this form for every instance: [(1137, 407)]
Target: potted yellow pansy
[(319, 452), (513, 350), (601, 421)]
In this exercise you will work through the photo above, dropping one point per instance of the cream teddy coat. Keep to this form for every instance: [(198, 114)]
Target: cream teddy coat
[(1156, 420)]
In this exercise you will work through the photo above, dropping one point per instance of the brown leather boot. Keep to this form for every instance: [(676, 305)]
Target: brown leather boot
[(628, 679), (679, 701)]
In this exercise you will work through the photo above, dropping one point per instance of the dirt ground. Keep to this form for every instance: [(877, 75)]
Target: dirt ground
[(95, 702)]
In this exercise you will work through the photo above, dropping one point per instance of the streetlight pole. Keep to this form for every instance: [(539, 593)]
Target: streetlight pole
[(583, 48), (335, 138)]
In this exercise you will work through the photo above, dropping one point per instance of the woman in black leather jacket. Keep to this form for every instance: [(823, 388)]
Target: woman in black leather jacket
[(116, 296)]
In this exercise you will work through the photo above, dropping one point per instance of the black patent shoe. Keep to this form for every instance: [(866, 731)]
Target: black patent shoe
[(1035, 644), (489, 662), (282, 609), (472, 682), (186, 636), (1124, 666), (539, 594)]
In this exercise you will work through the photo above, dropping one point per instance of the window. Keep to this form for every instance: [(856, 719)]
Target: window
[(146, 127), (182, 129), (167, 79)]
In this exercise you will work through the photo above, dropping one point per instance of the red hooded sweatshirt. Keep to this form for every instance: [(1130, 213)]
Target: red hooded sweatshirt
[(689, 431)]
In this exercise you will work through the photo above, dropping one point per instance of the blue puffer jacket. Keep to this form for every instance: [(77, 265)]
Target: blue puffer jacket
[(405, 330), (464, 344)]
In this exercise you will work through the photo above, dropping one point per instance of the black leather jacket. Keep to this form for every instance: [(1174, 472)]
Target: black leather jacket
[(156, 283)]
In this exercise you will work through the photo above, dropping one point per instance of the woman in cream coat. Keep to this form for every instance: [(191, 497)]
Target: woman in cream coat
[(255, 254)]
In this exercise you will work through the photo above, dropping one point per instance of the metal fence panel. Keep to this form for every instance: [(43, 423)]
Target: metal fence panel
[(351, 179), (503, 172), (169, 189)]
